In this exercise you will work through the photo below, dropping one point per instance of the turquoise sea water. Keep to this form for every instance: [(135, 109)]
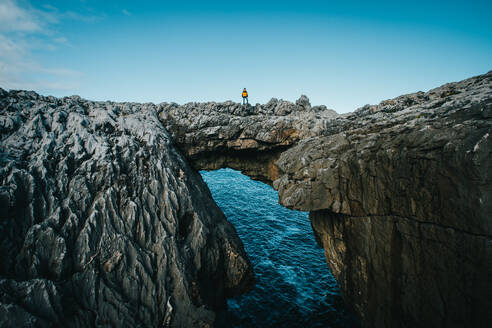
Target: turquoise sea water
[(294, 287)]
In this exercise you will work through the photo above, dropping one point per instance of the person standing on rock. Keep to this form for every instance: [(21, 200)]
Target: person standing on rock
[(245, 96)]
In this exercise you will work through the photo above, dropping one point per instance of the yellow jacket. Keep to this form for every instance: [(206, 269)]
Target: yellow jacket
[(245, 94)]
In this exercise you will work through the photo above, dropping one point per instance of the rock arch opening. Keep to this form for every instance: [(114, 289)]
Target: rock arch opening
[(102, 195), (294, 286)]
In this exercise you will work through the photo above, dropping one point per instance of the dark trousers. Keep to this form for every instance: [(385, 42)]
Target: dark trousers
[(245, 100)]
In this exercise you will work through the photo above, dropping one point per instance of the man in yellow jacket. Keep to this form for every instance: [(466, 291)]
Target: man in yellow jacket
[(245, 96)]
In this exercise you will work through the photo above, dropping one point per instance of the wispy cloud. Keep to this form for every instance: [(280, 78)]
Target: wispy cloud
[(18, 70), (126, 12), (61, 39), (15, 19), (79, 17), (25, 29), (69, 15)]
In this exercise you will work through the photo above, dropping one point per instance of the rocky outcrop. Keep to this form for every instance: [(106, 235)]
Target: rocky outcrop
[(108, 224), (104, 223), (399, 193), (400, 196), (246, 138)]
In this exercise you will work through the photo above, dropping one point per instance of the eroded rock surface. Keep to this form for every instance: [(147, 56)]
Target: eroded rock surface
[(399, 193), (400, 196), (100, 201), (246, 138), (103, 223)]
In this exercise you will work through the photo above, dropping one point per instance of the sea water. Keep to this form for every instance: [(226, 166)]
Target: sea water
[(294, 287)]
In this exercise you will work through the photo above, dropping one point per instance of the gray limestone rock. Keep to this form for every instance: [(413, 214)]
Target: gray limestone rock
[(400, 193), (250, 139), (104, 223), (401, 200)]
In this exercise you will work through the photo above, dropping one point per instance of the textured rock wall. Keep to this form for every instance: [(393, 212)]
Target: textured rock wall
[(401, 201), (106, 224), (103, 223), (400, 193), (398, 272), (245, 138)]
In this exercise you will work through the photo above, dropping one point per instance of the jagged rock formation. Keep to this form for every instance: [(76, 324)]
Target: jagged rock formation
[(103, 223), (250, 139), (400, 196), (399, 193)]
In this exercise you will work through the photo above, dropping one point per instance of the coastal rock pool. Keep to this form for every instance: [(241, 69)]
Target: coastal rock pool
[(294, 287)]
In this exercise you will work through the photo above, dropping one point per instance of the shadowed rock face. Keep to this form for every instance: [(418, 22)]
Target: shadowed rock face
[(103, 223), (401, 201), (399, 193), (107, 223)]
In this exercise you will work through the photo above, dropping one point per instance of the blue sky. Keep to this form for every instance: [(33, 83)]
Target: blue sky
[(342, 54)]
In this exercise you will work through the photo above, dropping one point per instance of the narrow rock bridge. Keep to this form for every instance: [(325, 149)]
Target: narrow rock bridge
[(249, 139)]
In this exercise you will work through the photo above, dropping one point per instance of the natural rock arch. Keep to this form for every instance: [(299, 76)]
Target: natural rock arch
[(399, 193)]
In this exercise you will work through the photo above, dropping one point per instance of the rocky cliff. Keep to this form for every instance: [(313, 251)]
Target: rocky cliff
[(400, 194), (104, 223), (106, 215)]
